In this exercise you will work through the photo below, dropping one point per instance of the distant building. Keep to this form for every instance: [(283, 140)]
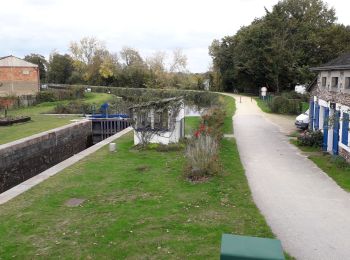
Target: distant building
[(330, 105), (18, 77), (160, 121)]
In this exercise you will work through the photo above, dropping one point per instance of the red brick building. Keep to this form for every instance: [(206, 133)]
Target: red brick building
[(18, 77)]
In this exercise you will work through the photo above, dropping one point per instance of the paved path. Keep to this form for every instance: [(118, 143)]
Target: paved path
[(306, 209)]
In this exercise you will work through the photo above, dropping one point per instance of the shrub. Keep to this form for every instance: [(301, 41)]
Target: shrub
[(74, 107), (214, 122), (283, 105), (311, 138), (52, 95), (202, 156), (46, 96)]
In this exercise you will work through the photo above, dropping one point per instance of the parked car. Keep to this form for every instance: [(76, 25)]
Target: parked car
[(302, 121)]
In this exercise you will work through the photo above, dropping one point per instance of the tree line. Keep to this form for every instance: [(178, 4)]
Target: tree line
[(278, 49), (90, 62)]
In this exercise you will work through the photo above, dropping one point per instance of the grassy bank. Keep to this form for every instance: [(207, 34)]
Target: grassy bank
[(230, 108), (334, 166), (137, 206), (40, 122)]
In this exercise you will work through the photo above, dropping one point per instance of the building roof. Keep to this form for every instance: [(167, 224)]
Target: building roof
[(12, 61), (340, 63)]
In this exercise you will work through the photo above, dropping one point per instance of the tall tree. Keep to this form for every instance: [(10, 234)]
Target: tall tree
[(60, 69), (40, 61), (277, 49)]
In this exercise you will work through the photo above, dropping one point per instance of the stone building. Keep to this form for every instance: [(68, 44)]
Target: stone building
[(330, 105), (18, 77)]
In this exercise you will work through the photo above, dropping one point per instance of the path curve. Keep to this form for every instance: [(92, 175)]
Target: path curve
[(305, 208)]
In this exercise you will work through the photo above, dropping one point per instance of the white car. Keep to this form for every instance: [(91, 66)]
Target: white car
[(302, 121)]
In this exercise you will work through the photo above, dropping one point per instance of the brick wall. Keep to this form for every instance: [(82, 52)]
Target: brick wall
[(23, 159), (18, 81)]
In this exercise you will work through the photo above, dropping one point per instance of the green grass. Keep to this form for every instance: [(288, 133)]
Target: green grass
[(263, 105), (138, 206), (191, 124), (39, 122), (339, 173), (230, 108)]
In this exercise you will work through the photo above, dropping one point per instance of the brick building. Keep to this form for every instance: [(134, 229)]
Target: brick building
[(18, 77), (330, 105)]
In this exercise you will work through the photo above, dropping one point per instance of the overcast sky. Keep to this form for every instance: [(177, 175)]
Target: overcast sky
[(41, 26)]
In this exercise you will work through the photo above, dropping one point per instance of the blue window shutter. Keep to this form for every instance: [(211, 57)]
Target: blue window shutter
[(317, 116), (336, 125), (311, 115), (345, 129), (325, 128)]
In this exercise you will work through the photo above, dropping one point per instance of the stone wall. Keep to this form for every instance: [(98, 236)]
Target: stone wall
[(345, 154), (332, 96), (25, 158)]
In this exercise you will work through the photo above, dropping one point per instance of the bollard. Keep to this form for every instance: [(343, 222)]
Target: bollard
[(112, 147), (240, 99)]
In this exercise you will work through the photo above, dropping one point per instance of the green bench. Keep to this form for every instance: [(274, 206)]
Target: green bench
[(244, 247)]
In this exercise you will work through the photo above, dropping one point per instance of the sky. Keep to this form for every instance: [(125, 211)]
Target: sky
[(43, 26)]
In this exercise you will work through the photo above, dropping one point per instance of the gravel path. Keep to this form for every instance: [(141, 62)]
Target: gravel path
[(306, 209)]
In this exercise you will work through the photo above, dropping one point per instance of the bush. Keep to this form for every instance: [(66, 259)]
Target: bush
[(214, 120), (282, 105), (46, 96), (294, 95), (74, 107), (202, 155), (311, 138), (52, 95)]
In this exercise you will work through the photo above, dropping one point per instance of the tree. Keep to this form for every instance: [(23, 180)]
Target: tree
[(60, 69), (158, 74), (277, 49), (179, 61), (135, 73), (40, 61)]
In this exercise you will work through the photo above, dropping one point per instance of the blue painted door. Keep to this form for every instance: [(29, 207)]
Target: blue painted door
[(336, 132), (311, 114), (325, 128), (317, 116)]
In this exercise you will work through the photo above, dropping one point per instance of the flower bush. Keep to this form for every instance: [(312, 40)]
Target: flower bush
[(311, 138), (202, 151), (202, 155)]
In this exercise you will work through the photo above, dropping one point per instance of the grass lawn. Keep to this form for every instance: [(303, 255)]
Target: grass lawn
[(263, 105), (138, 206), (39, 122), (335, 167), (339, 172), (230, 108), (191, 124)]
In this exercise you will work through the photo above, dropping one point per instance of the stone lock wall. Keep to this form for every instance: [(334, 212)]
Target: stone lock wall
[(25, 158)]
